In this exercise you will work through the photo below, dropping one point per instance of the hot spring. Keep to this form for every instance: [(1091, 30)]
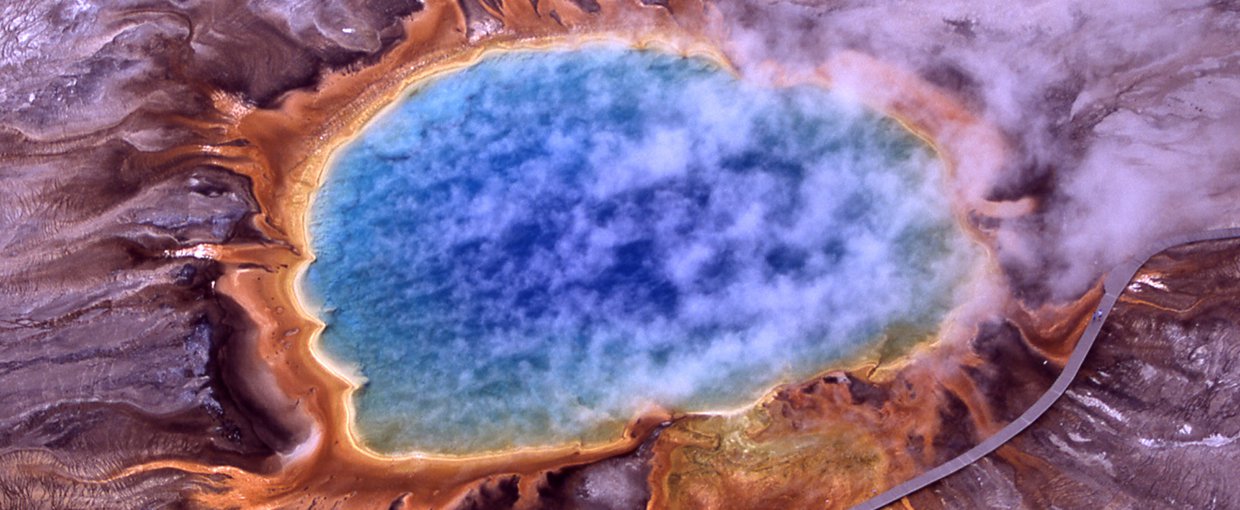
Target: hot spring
[(533, 249)]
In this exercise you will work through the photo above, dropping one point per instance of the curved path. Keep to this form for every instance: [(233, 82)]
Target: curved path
[(1117, 280)]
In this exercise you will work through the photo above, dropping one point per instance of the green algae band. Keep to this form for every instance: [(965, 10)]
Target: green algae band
[(528, 251)]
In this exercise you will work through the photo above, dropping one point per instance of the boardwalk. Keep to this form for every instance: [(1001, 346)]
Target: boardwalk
[(1117, 280)]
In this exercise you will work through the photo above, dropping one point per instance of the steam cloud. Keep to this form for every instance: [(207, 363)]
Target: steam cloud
[(1123, 115)]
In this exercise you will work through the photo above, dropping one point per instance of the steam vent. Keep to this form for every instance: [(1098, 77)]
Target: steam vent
[(605, 255)]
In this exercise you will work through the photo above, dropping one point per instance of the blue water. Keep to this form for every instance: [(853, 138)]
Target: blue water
[(528, 251)]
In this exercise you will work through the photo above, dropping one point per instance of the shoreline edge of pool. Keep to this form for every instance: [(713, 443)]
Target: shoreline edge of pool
[(309, 393)]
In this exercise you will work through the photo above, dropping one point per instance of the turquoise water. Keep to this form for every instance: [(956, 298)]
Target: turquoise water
[(528, 251)]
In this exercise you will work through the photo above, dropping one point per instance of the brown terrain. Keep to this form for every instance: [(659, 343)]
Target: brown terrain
[(1153, 417), (156, 159)]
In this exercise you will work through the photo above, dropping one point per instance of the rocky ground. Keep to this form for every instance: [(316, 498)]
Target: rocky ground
[(112, 353), (121, 363), (1152, 419)]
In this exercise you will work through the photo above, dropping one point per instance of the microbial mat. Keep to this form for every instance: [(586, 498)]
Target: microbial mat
[(531, 250)]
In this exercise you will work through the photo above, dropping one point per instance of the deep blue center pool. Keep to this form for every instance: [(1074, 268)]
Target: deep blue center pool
[(528, 251)]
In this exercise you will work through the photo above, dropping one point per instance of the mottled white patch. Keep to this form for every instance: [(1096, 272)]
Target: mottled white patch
[(1094, 403)]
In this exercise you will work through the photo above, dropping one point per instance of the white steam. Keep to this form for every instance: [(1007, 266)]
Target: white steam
[(1123, 115)]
